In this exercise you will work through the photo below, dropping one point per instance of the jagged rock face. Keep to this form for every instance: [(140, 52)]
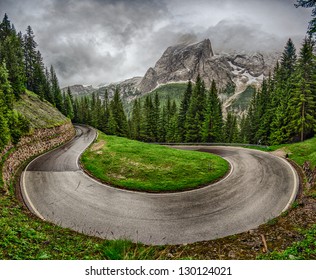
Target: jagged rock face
[(128, 89), (185, 62), (79, 90), (254, 63), (178, 63)]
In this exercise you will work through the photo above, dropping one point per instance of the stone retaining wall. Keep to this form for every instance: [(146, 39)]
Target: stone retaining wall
[(310, 174), (40, 141)]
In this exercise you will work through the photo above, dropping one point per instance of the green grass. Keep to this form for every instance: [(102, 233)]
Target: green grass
[(25, 237), (303, 151), (41, 114), (298, 152), (148, 167), (304, 249)]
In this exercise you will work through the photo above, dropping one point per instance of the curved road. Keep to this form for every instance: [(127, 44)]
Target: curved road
[(259, 187)]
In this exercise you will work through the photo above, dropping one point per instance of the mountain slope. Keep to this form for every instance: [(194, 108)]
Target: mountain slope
[(233, 73), (185, 62)]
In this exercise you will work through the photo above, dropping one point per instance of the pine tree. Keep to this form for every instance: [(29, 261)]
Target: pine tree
[(30, 57), (68, 105), (309, 4), (39, 77), (184, 107), (48, 88), (171, 121), (303, 101), (231, 132), (11, 52), (156, 116), (213, 120), (288, 60), (163, 125), (119, 122), (4, 128), (6, 29), (56, 92), (280, 97), (5, 87), (148, 122), (196, 113), (136, 121)]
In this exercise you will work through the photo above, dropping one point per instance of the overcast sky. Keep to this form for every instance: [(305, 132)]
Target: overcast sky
[(98, 41)]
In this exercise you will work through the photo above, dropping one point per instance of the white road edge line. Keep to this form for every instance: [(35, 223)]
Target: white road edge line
[(25, 195), (295, 176), (295, 189)]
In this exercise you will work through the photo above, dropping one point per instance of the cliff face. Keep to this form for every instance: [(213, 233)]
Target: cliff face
[(185, 62)]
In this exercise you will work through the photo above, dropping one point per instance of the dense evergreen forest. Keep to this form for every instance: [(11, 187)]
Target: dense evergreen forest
[(283, 110), (22, 68)]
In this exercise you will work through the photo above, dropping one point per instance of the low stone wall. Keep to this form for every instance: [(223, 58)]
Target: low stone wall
[(40, 141)]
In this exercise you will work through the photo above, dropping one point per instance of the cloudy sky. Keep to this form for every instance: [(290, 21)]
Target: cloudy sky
[(98, 41)]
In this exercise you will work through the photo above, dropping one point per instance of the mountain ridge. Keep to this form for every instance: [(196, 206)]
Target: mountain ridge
[(183, 62)]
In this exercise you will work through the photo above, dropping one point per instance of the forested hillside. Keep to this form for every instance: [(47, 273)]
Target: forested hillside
[(284, 110), (21, 69)]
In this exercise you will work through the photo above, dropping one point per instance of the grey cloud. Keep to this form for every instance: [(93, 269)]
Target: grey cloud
[(108, 40)]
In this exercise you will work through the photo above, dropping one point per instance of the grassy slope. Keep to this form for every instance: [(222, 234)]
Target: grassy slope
[(300, 152), (41, 114), (140, 166)]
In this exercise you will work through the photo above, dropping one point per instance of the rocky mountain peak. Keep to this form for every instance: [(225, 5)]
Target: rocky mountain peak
[(184, 62), (178, 63)]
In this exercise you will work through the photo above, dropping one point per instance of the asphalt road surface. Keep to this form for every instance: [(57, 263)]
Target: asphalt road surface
[(258, 188)]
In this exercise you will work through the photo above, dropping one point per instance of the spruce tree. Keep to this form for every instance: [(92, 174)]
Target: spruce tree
[(5, 87), (119, 122), (30, 57), (11, 52), (196, 113), (136, 121), (48, 88), (213, 119), (56, 92), (288, 60), (39, 77), (69, 106), (231, 132), (309, 4), (156, 116), (6, 29), (303, 102), (184, 107)]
